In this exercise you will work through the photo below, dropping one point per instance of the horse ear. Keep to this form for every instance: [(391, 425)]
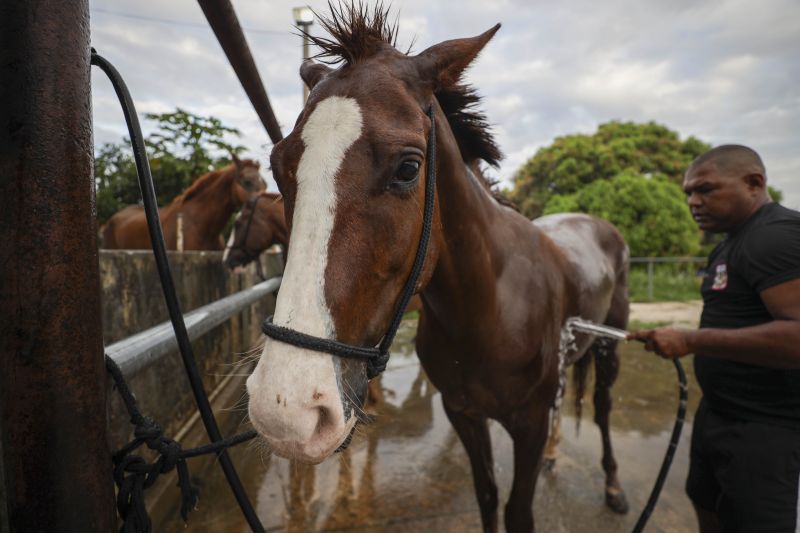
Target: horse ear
[(444, 63), (313, 72), (236, 161)]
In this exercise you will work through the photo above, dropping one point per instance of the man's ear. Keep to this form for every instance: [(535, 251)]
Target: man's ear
[(444, 63), (312, 72)]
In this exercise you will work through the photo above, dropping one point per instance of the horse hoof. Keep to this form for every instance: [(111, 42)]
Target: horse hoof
[(616, 500), (549, 464)]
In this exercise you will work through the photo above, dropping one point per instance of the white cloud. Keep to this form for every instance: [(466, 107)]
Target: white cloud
[(724, 71)]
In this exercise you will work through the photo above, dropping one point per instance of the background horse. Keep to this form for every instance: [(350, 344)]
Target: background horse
[(259, 225), (496, 288), (205, 207)]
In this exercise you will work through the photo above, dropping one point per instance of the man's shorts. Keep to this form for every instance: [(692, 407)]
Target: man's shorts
[(746, 472)]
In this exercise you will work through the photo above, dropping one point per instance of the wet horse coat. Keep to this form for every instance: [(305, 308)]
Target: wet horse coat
[(496, 288), (203, 209)]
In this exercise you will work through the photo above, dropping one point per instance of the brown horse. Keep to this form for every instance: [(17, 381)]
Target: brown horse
[(195, 219), (496, 288), (259, 225)]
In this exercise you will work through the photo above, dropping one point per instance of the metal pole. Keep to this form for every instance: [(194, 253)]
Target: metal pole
[(57, 466), (650, 279), (223, 21), (305, 58)]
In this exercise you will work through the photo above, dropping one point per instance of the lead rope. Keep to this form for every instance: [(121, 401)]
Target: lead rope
[(144, 476), (683, 396)]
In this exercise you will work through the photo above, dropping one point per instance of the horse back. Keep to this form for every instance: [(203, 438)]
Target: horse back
[(596, 257), (127, 230)]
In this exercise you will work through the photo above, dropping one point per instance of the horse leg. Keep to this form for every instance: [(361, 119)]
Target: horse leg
[(606, 370), (551, 448), (474, 435), (529, 440)]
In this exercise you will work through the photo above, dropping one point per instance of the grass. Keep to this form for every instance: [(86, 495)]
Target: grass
[(671, 283), (636, 325)]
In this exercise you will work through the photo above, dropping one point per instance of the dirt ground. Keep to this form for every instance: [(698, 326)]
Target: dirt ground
[(678, 313)]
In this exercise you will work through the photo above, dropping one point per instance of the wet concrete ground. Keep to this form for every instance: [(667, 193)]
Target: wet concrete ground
[(409, 471)]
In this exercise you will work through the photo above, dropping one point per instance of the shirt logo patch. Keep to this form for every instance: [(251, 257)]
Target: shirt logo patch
[(720, 278)]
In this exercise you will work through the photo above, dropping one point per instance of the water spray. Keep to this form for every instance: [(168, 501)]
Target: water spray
[(578, 324)]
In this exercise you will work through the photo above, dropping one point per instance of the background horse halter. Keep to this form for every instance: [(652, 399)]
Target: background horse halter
[(258, 226), (239, 241)]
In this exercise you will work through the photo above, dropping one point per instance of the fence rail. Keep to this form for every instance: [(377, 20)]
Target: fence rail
[(668, 259), (652, 261), (135, 353)]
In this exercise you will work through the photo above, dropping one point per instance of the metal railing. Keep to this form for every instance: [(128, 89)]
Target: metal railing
[(652, 261), (135, 353)]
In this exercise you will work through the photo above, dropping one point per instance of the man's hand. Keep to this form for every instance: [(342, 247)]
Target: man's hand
[(669, 343)]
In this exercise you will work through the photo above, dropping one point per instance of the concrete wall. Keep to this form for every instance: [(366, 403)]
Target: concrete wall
[(132, 301)]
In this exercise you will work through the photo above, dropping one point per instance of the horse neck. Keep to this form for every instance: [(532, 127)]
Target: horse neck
[(276, 223), (211, 207), (279, 224), (467, 211)]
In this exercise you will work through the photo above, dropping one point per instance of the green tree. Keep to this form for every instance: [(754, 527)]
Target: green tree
[(183, 147), (650, 212), (775, 193), (115, 179), (574, 161)]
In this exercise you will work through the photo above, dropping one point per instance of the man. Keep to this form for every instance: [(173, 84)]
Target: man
[(745, 454)]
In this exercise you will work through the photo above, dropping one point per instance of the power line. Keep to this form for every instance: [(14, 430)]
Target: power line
[(179, 22)]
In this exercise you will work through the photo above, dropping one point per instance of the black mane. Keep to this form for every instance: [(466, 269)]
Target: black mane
[(358, 32)]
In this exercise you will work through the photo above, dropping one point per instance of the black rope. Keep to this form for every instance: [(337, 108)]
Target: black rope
[(683, 395), (133, 474), (176, 316), (376, 358)]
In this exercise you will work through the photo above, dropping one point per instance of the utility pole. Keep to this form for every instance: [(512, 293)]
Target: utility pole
[(304, 18)]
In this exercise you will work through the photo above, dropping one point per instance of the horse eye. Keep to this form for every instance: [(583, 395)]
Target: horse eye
[(408, 171)]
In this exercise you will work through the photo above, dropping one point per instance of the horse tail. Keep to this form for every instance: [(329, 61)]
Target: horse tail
[(580, 369)]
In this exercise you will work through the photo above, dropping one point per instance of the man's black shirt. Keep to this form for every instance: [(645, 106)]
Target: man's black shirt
[(761, 254)]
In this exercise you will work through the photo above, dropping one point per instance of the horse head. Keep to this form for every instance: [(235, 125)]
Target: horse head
[(247, 179), (259, 225), (352, 173)]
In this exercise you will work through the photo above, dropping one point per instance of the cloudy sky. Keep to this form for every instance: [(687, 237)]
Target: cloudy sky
[(723, 71)]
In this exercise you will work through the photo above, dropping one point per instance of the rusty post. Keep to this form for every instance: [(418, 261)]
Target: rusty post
[(223, 21), (57, 466)]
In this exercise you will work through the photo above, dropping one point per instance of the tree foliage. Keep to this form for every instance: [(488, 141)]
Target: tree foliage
[(575, 161), (650, 212), (183, 147)]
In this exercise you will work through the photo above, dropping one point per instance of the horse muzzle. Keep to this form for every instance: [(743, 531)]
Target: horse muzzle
[(296, 406)]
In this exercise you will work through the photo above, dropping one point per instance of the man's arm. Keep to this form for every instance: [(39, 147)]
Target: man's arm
[(774, 344)]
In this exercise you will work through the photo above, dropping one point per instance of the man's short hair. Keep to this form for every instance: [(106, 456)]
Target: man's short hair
[(731, 160)]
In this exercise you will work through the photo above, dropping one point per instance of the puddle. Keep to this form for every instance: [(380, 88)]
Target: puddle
[(409, 471)]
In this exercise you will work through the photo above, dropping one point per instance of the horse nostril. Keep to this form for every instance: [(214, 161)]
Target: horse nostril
[(324, 420)]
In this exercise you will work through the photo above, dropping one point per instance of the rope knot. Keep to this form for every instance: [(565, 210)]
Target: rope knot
[(148, 430), (170, 451), (377, 364)]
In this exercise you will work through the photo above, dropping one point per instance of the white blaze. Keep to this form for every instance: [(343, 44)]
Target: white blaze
[(293, 374), (331, 129)]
